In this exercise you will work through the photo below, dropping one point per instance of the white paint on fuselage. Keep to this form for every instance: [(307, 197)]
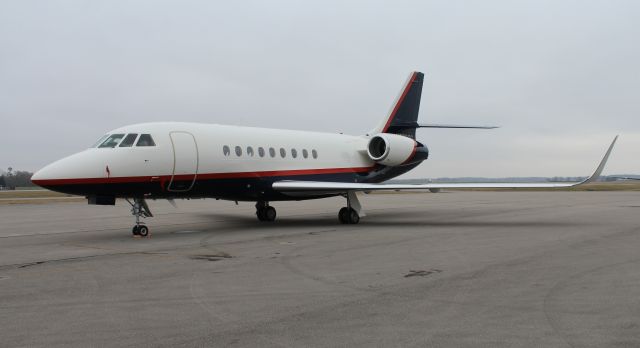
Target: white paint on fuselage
[(334, 151)]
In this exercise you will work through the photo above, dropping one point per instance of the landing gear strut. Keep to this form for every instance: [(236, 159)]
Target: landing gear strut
[(351, 213), (265, 212), (140, 209)]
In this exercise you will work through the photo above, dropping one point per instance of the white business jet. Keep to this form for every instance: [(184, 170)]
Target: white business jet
[(169, 160)]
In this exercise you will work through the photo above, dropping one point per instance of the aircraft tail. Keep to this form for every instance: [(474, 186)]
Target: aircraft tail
[(403, 116)]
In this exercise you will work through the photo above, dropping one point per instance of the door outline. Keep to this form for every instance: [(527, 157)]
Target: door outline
[(173, 173)]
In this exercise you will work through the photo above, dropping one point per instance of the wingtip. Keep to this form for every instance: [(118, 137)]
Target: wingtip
[(602, 164)]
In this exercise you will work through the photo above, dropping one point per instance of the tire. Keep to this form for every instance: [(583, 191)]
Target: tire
[(354, 218), (143, 231), (270, 214), (135, 230), (342, 215), (260, 214)]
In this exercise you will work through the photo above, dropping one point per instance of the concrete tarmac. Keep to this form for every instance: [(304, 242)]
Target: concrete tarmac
[(452, 269)]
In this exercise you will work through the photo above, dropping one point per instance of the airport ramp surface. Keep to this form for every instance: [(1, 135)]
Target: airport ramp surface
[(453, 269)]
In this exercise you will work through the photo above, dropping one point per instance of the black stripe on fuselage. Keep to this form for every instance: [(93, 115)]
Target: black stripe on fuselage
[(235, 189)]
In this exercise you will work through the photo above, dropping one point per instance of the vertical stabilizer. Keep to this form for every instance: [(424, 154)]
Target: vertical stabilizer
[(403, 116)]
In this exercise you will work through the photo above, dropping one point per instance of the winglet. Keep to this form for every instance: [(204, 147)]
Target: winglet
[(598, 171)]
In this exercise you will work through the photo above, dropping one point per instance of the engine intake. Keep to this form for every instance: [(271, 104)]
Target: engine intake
[(391, 149)]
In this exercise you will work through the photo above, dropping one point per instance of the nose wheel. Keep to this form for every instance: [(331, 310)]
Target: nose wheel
[(140, 230), (140, 209), (265, 212)]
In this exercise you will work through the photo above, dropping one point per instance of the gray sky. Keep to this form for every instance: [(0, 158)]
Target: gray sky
[(560, 77)]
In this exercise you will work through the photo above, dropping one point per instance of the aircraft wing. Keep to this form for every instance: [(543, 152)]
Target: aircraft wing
[(292, 186)]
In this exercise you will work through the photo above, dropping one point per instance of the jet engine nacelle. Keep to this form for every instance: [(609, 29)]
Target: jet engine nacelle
[(391, 149)]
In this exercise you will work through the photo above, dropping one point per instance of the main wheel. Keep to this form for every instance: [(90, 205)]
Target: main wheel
[(143, 230), (260, 214), (135, 230), (354, 218), (270, 213), (343, 215)]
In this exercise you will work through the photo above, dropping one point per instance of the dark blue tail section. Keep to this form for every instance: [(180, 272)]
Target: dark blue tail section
[(403, 117)]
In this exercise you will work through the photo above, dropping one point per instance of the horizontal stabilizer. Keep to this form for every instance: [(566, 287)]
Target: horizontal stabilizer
[(434, 125), (438, 125), (337, 187)]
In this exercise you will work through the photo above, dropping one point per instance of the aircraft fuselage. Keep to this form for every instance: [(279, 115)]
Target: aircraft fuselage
[(191, 160)]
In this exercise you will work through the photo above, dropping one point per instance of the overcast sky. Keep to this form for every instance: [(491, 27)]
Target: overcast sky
[(561, 78)]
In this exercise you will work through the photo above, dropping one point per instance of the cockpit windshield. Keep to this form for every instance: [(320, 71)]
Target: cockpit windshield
[(112, 141), (129, 140), (102, 138), (145, 140)]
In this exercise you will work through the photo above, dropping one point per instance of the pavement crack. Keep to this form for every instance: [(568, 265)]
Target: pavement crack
[(422, 273), (212, 257), (31, 264), (79, 258)]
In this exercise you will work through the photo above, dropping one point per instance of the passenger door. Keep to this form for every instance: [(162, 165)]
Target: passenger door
[(185, 161)]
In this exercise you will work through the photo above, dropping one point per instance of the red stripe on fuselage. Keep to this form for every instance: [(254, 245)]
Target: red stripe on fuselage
[(400, 100), (140, 179)]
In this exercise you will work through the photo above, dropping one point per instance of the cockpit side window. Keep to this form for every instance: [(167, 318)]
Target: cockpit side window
[(145, 140), (112, 141), (129, 140)]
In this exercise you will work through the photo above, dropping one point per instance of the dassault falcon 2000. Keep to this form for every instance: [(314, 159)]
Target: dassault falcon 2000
[(172, 160)]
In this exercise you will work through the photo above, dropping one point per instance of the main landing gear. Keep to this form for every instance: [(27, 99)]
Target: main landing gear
[(351, 213), (140, 209), (347, 215), (265, 212)]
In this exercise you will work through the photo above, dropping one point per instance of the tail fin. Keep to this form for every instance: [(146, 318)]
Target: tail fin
[(405, 110)]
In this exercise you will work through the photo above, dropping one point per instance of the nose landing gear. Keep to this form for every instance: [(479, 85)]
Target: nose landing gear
[(140, 229), (265, 212), (140, 209)]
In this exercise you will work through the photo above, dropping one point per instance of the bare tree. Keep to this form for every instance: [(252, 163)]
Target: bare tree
[(18, 178)]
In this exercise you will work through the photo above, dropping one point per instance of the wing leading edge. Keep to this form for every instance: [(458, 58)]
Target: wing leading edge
[(321, 186)]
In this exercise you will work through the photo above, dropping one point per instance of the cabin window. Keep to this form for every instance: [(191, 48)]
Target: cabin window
[(314, 153), (261, 152), (250, 151), (305, 153), (272, 152), (226, 150), (129, 140), (112, 141), (145, 140), (294, 153), (283, 152), (238, 151)]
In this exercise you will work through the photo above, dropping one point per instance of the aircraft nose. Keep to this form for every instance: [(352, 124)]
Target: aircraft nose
[(60, 172), (72, 174), (38, 175), (41, 176)]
